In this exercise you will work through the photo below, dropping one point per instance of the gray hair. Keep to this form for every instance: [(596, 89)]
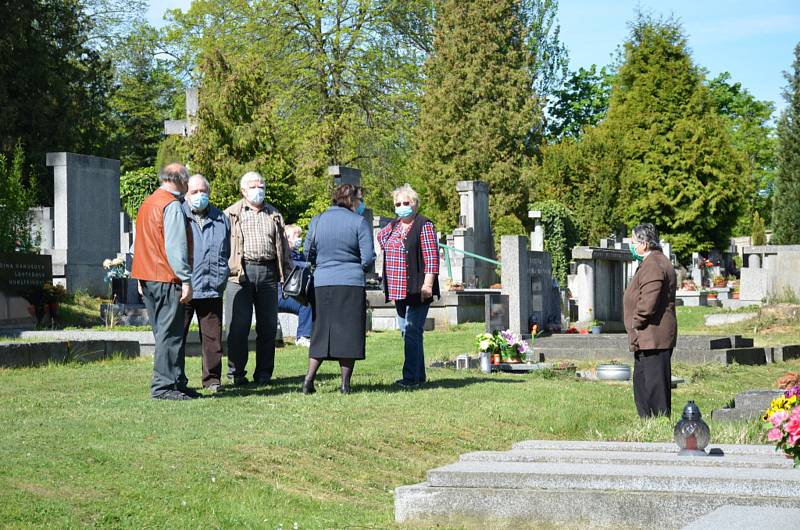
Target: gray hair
[(250, 176), (406, 191), (292, 229), (647, 233), (204, 180), (175, 173)]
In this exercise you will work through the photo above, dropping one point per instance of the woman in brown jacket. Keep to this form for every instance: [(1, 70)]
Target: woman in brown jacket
[(649, 312)]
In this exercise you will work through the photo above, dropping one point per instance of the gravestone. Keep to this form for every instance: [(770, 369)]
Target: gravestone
[(528, 282), (22, 276), (496, 318), (86, 219)]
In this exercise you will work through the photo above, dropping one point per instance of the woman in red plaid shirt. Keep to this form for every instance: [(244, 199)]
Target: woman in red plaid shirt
[(410, 277)]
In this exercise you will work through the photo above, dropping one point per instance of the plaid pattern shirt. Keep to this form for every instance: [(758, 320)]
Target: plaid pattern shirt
[(394, 256), (258, 231)]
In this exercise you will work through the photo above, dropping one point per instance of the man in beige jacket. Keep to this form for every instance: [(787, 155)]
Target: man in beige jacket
[(260, 258), (649, 313)]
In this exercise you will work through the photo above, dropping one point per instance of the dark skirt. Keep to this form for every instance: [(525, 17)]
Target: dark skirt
[(340, 319)]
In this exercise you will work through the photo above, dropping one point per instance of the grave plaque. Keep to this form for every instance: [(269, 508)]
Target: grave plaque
[(496, 316), (540, 271), (21, 272)]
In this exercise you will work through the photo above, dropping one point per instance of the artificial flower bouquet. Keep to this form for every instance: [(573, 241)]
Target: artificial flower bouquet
[(505, 344), (115, 268), (783, 421)]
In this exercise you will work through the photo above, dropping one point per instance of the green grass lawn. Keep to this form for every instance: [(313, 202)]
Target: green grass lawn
[(82, 445)]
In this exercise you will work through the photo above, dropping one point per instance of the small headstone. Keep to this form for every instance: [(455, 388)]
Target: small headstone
[(496, 317)]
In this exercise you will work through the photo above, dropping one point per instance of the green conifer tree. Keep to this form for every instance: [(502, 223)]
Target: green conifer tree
[(786, 209), (479, 117), (680, 170), (759, 234)]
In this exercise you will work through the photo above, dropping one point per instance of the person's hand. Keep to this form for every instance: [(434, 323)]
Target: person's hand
[(139, 288), (426, 291), (186, 293)]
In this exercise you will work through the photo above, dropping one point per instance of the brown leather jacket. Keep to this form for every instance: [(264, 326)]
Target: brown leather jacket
[(150, 261), (282, 250), (649, 305)]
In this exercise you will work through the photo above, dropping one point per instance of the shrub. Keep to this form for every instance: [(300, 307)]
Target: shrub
[(759, 234), (16, 198), (134, 187), (560, 235)]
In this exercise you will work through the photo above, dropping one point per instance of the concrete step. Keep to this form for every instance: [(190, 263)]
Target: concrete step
[(627, 458), (732, 517), (620, 340), (772, 482), (647, 447), (748, 356), (596, 484)]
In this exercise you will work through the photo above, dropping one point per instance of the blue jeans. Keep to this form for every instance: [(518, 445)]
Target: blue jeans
[(411, 321), (303, 312)]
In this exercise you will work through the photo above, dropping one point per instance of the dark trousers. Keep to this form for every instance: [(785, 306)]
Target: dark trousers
[(209, 319), (652, 382), (166, 318), (258, 289), (303, 312), (411, 320)]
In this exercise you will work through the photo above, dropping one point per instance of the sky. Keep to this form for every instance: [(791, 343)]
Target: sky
[(754, 40)]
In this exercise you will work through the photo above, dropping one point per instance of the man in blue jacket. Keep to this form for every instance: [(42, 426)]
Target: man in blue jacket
[(212, 236)]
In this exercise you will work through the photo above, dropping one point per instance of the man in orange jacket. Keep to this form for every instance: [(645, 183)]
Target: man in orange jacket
[(162, 264)]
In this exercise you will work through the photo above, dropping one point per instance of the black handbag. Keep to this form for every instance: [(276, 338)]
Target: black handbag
[(299, 285), (300, 282)]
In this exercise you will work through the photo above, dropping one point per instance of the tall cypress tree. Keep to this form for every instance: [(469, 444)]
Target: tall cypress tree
[(478, 112), (680, 171), (786, 209)]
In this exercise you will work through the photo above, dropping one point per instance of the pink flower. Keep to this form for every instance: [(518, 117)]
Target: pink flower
[(792, 440), (793, 425), (775, 435), (778, 418)]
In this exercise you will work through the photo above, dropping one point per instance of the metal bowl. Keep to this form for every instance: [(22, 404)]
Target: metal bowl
[(614, 372)]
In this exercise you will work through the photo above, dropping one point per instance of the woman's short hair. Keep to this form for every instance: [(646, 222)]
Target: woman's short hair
[(406, 191), (647, 233), (346, 196), (292, 229)]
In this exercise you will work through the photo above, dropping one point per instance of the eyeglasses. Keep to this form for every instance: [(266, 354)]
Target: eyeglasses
[(404, 203)]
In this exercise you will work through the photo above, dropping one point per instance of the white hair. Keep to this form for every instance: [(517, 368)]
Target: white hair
[(249, 177), (204, 180), (406, 191)]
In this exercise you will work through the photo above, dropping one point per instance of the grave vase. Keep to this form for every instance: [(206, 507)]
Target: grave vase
[(119, 290)]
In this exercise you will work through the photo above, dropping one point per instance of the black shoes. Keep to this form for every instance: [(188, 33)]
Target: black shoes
[(261, 381), (344, 389), (308, 387), (173, 395), (239, 380), (192, 393), (406, 384)]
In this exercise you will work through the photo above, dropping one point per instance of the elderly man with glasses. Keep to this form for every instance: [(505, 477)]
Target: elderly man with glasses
[(260, 258)]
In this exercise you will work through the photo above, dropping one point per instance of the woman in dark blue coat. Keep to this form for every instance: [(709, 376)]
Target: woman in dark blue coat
[(341, 250)]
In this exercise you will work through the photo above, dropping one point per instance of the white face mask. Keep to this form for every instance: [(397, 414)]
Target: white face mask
[(255, 195)]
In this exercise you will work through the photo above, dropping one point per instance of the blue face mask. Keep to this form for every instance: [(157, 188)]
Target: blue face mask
[(404, 211), (255, 195), (360, 208), (199, 201), (636, 255)]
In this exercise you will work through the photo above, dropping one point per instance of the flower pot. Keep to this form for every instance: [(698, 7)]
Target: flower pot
[(614, 372), (596, 330), (735, 295)]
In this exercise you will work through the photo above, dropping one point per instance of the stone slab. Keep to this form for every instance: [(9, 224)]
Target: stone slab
[(528, 508), (22, 354), (722, 319), (732, 517), (650, 458), (747, 405), (604, 484)]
